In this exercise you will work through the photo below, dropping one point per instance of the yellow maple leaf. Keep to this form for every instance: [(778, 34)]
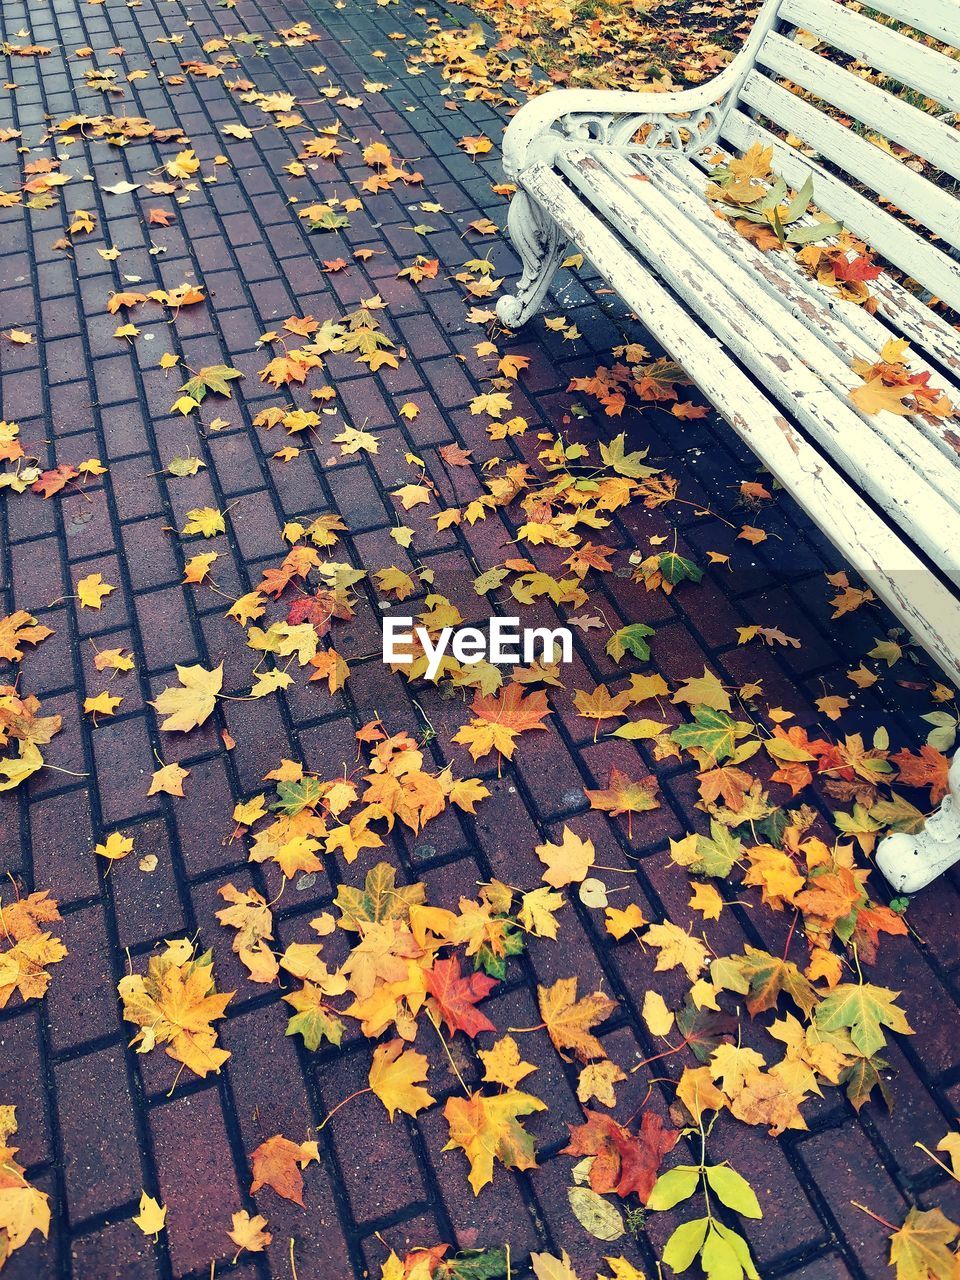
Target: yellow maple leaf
[(152, 1216), (567, 862), (677, 949), (104, 704), (23, 1209), (197, 567), (619, 921), (205, 520), (489, 1128), (249, 1233), (193, 702), (706, 899), (569, 1020), (115, 846), (183, 164), (395, 1077), (169, 779), (412, 495), (875, 396), (174, 1005), (92, 590), (502, 1063)]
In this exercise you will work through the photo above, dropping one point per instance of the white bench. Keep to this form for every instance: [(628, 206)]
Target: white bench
[(623, 176)]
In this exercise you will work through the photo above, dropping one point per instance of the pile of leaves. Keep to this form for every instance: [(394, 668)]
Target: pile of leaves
[(608, 44)]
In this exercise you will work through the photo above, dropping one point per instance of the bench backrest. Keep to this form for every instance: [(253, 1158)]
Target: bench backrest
[(844, 158)]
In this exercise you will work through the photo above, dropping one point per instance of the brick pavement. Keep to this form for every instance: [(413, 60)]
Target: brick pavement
[(96, 1122)]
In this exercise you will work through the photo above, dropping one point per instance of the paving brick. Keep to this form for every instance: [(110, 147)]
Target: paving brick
[(197, 1182), (82, 1002), (241, 238), (22, 1065), (848, 1169), (57, 822), (101, 1169), (382, 1177), (119, 1251)]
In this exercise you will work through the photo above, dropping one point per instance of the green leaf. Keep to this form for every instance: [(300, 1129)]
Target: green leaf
[(314, 1025), (673, 1186), (800, 202), (922, 1247), (212, 377), (865, 1010), (297, 796), (328, 221), (381, 898), (626, 464), (714, 732), (719, 1259), (496, 965), (740, 1248), (676, 568), (815, 231), (716, 853), (685, 1243), (474, 1264), (862, 1078), (733, 1190), (630, 639)]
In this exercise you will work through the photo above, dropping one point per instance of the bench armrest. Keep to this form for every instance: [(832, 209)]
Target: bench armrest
[(599, 115)]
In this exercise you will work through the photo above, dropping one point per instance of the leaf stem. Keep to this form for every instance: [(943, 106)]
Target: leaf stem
[(876, 1217), (342, 1103)]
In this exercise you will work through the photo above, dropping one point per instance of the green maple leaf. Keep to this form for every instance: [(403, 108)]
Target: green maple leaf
[(315, 1024), (626, 464), (212, 377), (761, 977), (294, 797), (920, 1250), (473, 1264), (716, 853), (862, 1078), (676, 568), (714, 732), (328, 221), (381, 898), (630, 639), (864, 1009)]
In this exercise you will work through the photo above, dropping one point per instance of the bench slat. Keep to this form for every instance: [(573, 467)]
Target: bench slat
[(866, 163), (869, 545), (880, 47), (889, 115), (849, 330), (890, 238), (937, 18), (728, 300)]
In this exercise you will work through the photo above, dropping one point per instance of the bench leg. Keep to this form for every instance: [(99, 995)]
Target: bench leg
[(537, 240), (910, 862)]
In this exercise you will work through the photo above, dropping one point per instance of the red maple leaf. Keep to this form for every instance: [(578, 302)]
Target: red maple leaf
[(51, 482), (623, 1162), (855, 269), (456, 996), (320, 609)]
